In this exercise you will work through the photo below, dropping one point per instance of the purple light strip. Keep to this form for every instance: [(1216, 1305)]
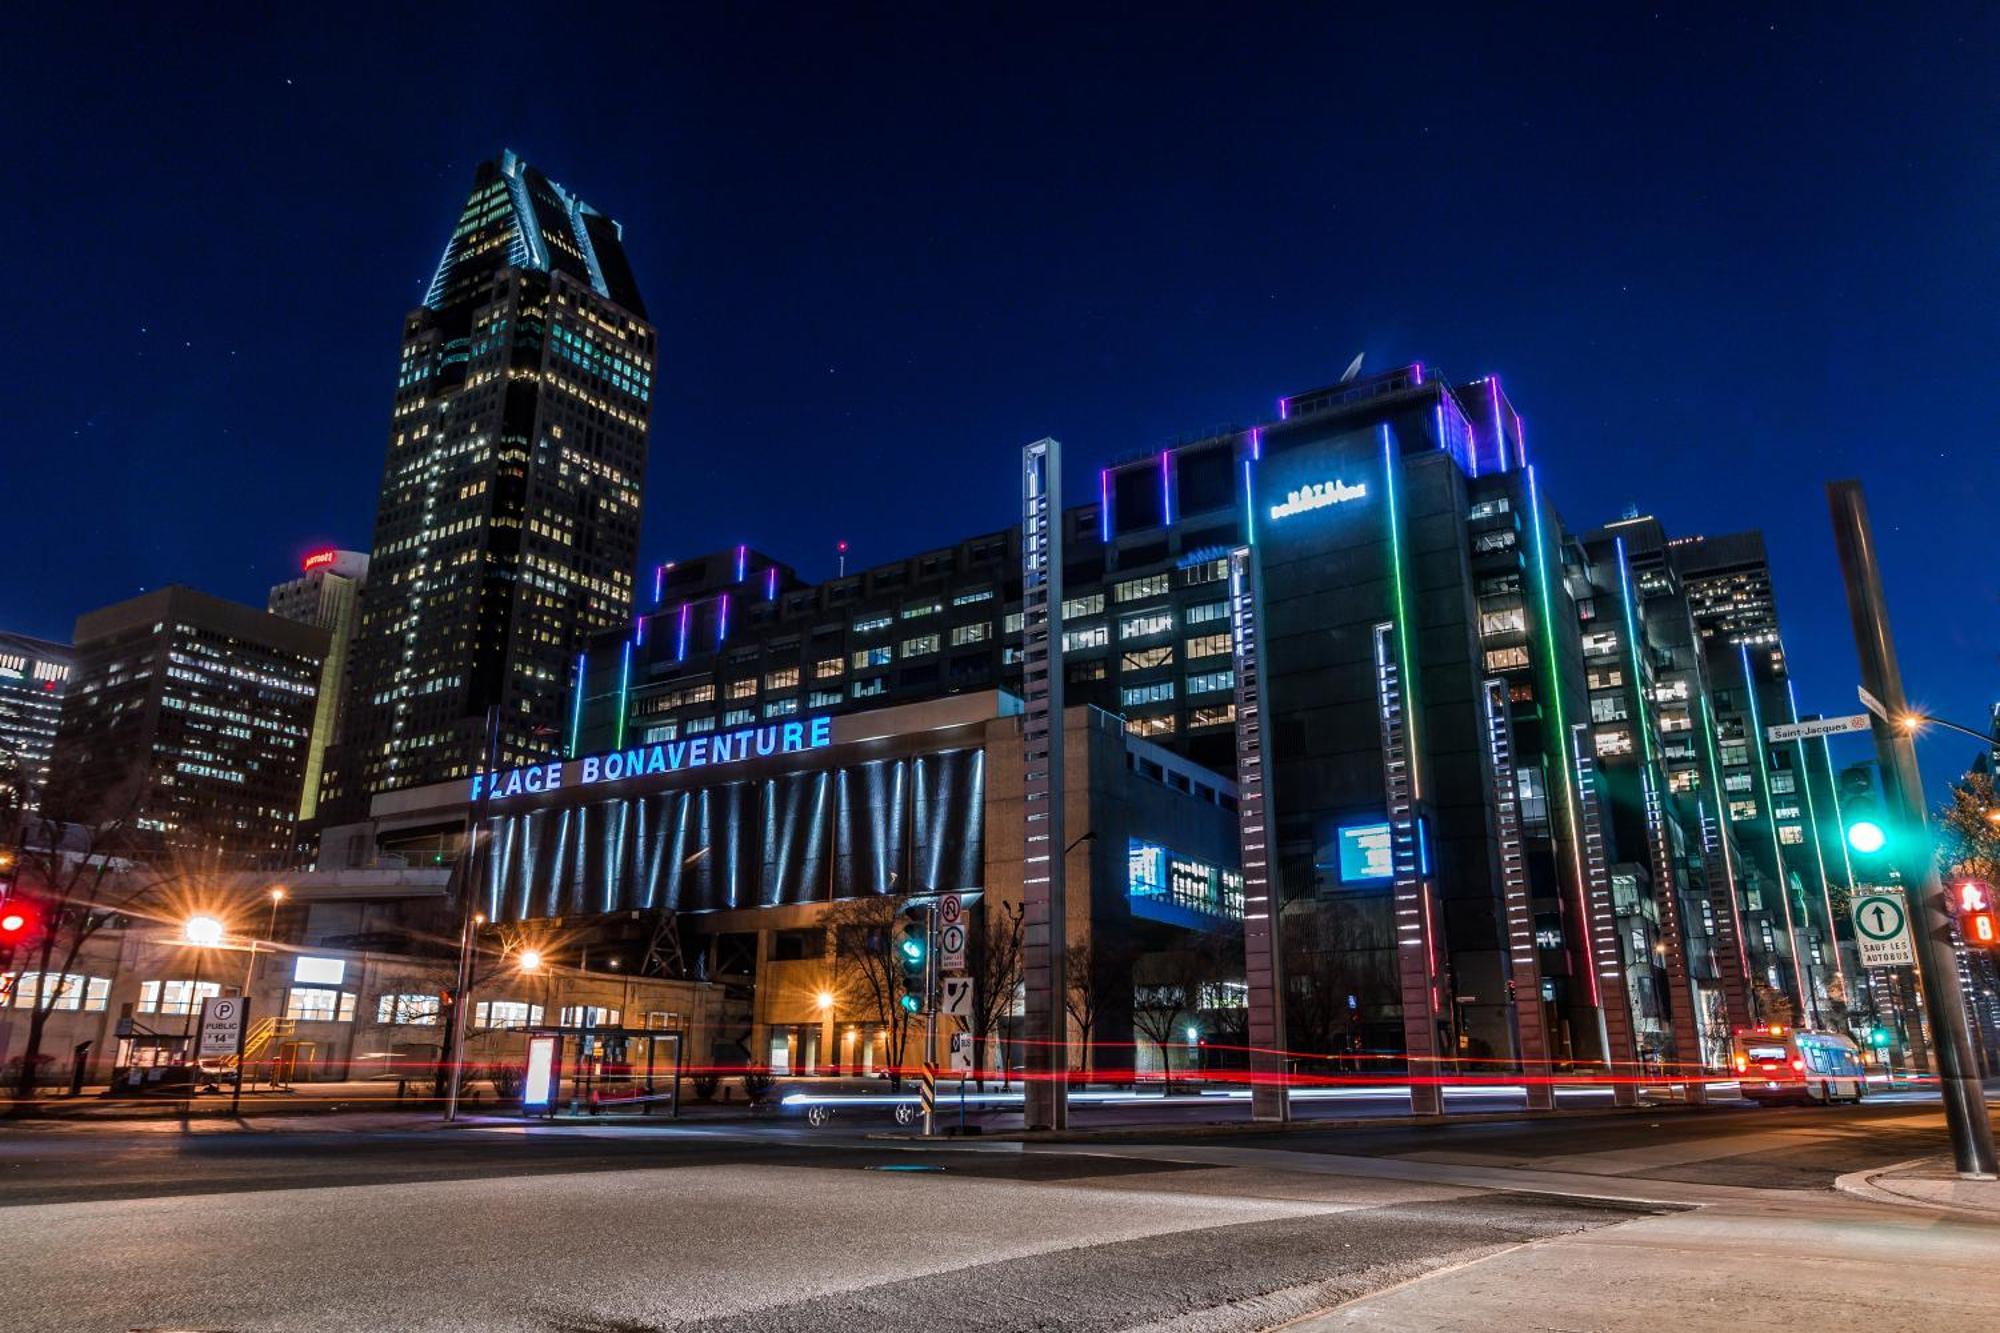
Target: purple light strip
[(1256, 442), (659, 576), (1104, 505), (771, 584), (742, 559), (1281, 409), (1420, 372), (681, 652), (722, 623), (639, 628)]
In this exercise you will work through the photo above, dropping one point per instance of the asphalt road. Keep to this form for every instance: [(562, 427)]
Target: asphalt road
[(727, 1229)]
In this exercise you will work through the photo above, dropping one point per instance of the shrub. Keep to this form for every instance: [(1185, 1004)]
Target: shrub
[(506, 1080), (757, 1085), (705, 1086)]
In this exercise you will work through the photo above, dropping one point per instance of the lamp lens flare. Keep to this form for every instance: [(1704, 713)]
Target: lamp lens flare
[(204, 930), (1865, 836)]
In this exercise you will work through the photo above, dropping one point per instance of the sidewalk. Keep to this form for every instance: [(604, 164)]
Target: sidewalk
[(1928, 1182)]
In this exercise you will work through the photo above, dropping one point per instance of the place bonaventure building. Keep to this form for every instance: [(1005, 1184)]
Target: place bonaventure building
[(1519, 808)]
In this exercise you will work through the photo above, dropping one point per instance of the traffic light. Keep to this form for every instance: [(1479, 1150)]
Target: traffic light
[(912, 949), (17, 928), (1976, 917), (1866, 836), (1880, 1037)]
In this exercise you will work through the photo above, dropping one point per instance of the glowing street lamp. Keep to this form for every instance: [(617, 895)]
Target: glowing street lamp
[(824, 1000), (530, 960), (202, 931)]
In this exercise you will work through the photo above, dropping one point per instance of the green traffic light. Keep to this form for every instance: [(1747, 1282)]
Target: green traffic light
[(1866, 836), (909, 1003), (1879, 1036), (913, 950)]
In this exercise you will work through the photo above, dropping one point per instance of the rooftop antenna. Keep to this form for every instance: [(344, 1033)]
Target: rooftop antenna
[(1353, 368)]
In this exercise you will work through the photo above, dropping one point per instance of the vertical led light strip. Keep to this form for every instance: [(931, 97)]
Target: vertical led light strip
[(1166, 489), (624, 690), (771, 584), (1104, 505), (659, 582), (1561, 735), (1819, 851), (1499, 426), (722, 622), (742, 561), (1408, 662), (1756, 739), (681, 649), (1249, 506), (576, 705)]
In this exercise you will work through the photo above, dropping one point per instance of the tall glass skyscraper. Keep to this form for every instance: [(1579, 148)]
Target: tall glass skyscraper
[(508, 524)]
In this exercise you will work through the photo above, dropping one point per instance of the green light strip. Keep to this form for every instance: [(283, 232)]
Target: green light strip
[(1409, 665), (624, 688), (1819, 849), (1632, 651), (1562, 739)]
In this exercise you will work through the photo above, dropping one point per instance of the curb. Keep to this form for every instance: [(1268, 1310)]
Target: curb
[(1861, 1184)]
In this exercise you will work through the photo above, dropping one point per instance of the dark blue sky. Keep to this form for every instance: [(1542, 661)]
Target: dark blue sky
[(1719, 255)]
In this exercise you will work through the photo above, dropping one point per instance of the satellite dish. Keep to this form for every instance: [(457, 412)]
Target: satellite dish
[(1353, 368)]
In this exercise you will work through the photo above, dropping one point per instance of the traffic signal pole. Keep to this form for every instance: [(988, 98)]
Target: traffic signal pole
[(1964, 1100)]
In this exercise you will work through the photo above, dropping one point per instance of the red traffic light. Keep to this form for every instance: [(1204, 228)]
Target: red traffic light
[(1982, 929), (13, 923)]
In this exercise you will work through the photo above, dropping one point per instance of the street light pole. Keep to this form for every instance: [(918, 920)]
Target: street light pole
[(467, 896), (1964, 1099)]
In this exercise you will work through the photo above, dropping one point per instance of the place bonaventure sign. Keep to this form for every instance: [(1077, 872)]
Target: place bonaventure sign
[(651, 760)]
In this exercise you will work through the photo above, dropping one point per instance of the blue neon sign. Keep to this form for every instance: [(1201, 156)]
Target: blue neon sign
[(653, 760)]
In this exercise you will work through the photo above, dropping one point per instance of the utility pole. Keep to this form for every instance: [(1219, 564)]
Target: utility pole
[(1903, 793)]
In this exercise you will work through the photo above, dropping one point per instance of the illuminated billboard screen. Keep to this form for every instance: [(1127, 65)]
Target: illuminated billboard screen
[(1366, 854)]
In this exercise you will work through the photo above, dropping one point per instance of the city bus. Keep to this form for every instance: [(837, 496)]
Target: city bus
[(1776, 1064)]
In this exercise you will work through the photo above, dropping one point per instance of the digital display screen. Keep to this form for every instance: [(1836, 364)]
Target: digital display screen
[(540, 1086), (1366, 854)]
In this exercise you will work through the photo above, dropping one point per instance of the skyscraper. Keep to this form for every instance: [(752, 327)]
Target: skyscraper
[(508, 524), (186, 727), (327, 593), (33, 673)]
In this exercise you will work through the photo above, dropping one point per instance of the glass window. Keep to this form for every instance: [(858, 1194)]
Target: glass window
[(921, 646), (975, 633), (174, 997), (1215, 715), (786, 678), (1132, 590), (827, 668), (1506, 659), (1208, 645), (1617, 740), (1207, 681), (1607, 708), (315, 1004), (1791, 834), (738, 717), (1206, 612), (873, 657), (870, 624), (781, 707), (1162, 725), (410, 1010), (1076, 608), (1146, 624), (975, 596), (1144, 659), (697, 725), (589, 1016), (506, 1014), (68, 992), (868, 689), (1015, 619), (1158, 691), (1507, 620), (742, 689), (928, 607), (825, 699), (1208, 571), (1086, 636)]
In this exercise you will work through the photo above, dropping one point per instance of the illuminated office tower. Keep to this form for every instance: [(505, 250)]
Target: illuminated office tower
[(327, 593), (33, 676), (508, 523), (186, 726)]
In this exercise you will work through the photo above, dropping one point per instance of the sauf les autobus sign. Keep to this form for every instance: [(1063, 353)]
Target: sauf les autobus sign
[(652, 760)]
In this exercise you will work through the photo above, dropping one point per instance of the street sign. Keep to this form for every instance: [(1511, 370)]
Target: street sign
[(951, 933), (1817, 727), (1871, 703), (955, 998), (221, 1026), (961, 1052), (1882, 929)]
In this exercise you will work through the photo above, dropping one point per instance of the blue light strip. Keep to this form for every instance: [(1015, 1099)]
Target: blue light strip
[(576, 705), (742, 560), (681, 650), (1104, 505), (1166, 491), (722, 622)]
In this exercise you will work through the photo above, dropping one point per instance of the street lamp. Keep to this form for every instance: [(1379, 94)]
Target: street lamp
[(530, 960), (202, 931), (824, 1000)]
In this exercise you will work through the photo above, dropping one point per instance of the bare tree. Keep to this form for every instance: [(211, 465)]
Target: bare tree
[(1100, 978), (864, 954), (1159, 1008), (996, 977), (73, 883)]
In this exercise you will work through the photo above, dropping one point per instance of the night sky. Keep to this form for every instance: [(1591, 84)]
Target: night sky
[(1718, 255)]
